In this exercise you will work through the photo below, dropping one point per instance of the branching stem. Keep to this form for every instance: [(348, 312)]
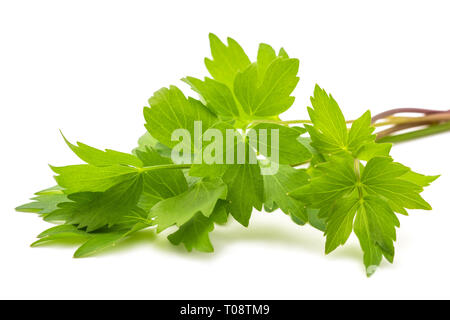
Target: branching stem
[(165, 166), (391, 112), (436, 121)]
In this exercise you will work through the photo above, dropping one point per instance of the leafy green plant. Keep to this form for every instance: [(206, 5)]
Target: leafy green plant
[(333, 174)]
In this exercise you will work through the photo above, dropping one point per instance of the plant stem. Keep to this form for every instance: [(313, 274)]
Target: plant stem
[(388, 113), (188, 166), (435, 117), (431, 130), (430, 117), (356, 168), (399, 127), (165, 166), (282, 121), (437, 120)]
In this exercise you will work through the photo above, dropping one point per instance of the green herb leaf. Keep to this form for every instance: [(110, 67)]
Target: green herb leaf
[(329, 134), (375, 228), (147, 141), (159, 185), (45, 201), (101, 241), (171, 110), (354, 197), (94, 210), (244, 179), (383, 177), (287, 148), (100, 158), (201, 197), (272, 97), (218, 97), (61, 232), (194, 234), (86, 177), (277, 187), (227, 60)]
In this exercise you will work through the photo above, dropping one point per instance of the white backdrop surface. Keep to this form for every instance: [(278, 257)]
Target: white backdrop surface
[(88, 68)]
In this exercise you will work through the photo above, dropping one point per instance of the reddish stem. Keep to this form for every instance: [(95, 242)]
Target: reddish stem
[(406, 110), (400, 127)]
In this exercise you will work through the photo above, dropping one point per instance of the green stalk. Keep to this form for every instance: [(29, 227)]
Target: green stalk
[(428, 131), (165, 166)]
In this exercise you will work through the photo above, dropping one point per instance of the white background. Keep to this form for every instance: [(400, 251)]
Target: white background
[(88, 68)]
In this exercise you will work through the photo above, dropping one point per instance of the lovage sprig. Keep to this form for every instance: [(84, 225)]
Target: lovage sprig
[(205, 161)]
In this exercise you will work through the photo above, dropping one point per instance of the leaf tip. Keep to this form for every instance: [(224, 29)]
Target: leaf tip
[(36, 243), (370, 270), (212, 36), (78, 255)]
